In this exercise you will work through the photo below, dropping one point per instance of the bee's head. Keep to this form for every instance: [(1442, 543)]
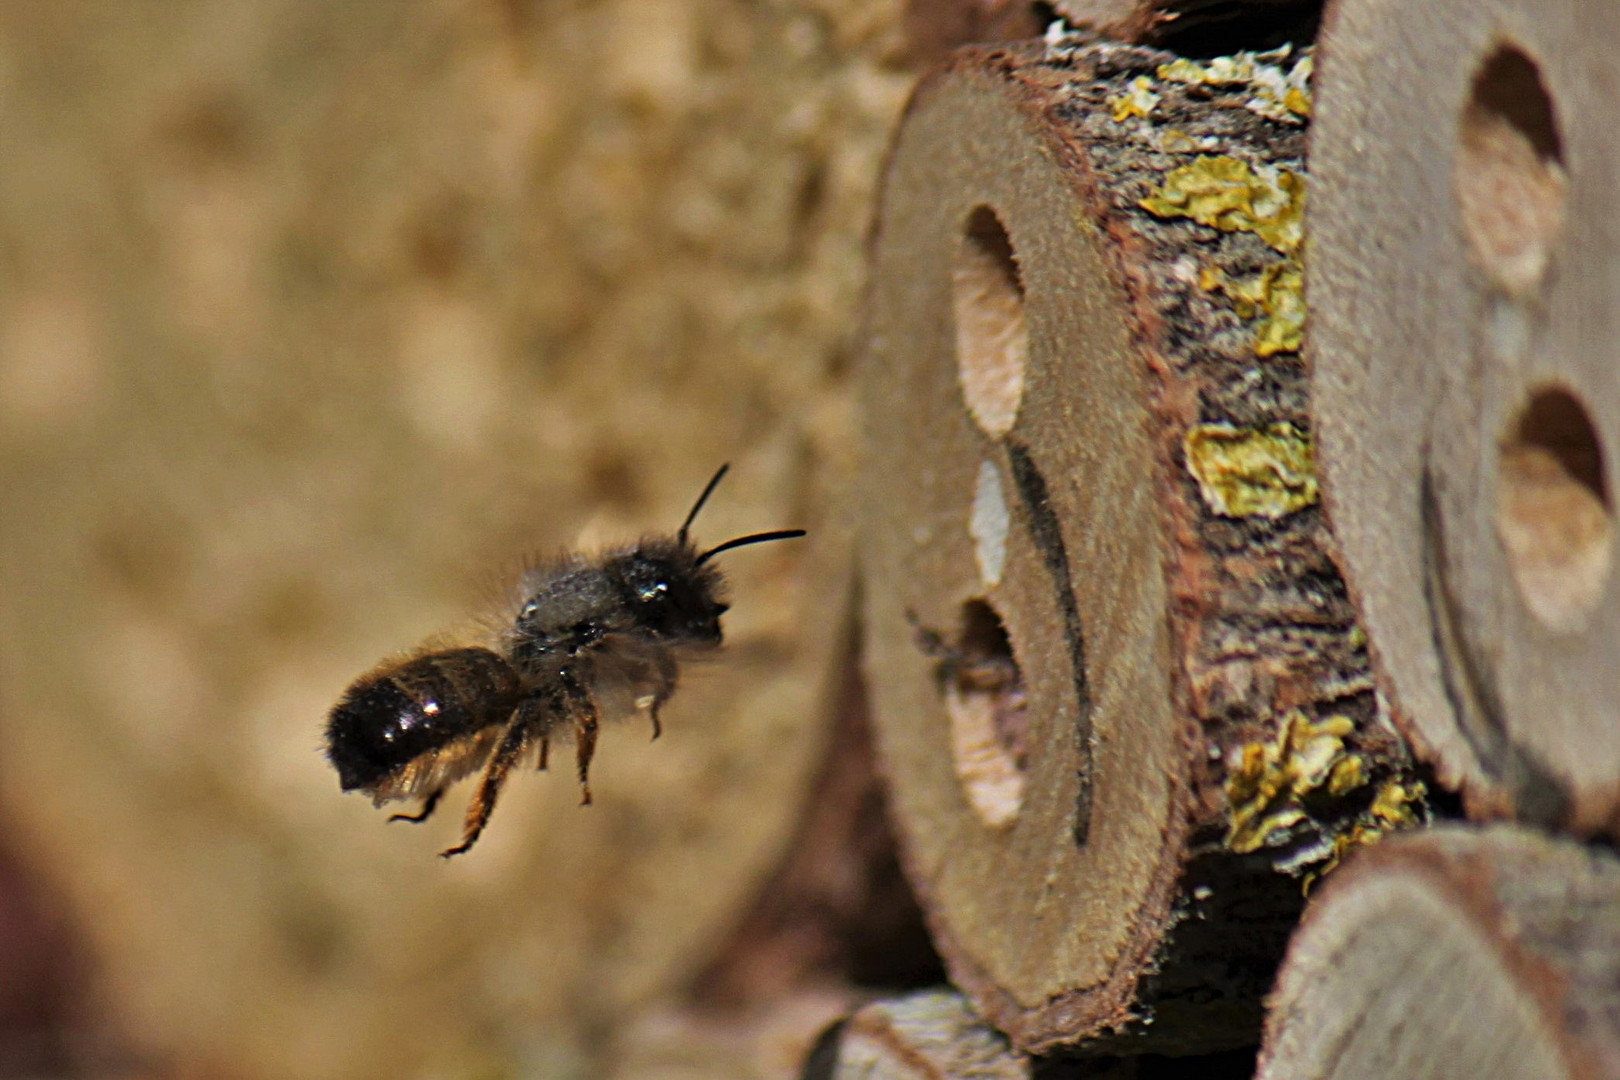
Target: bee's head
[(671, 587), (671, 594)]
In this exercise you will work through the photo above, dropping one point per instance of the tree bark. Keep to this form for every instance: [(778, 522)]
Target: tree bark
[(1462, 239), (1119, 692), (1455, 953)]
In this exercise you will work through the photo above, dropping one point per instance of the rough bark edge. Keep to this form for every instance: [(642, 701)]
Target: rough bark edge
[(1319, 663)]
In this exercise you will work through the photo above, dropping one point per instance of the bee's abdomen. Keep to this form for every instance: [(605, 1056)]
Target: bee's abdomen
[(389, 718)]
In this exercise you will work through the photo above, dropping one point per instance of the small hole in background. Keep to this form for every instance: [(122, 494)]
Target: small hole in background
[(992, 340), (1510, 181), (1554, 514)]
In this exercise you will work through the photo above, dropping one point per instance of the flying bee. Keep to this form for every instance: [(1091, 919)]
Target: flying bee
[(591, 638)]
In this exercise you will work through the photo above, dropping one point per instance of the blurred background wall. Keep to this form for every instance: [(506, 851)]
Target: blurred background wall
[(313, 317)]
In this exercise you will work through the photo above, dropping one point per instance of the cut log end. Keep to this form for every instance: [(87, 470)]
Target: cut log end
[(928, 1036), (1455, 954), (1466, 403)]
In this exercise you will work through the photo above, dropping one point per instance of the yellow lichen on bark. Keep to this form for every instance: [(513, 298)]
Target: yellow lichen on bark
[(1234, 196), (1253, 472)]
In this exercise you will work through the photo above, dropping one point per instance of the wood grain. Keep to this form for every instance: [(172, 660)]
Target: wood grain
[(1455, 953)]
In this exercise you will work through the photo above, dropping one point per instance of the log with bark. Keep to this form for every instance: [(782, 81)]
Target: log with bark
[(1463, 236), (1119, 692), (1451, 954)]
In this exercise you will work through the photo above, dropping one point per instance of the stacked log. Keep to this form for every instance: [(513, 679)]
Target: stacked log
[(936, 1035), (1462, 239), (1119, 691), (933, 1035), (1094, 546), (1455, 953), (1462, 244)]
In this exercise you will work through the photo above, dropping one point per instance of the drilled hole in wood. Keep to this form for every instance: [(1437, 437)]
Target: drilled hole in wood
[(987, 705), (992, 339), (1554, 513), (1510, 180)]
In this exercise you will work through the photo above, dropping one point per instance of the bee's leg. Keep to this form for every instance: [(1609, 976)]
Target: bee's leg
[(584, 751), (667, 673), (426, 812), (489, 785), (537, 713), (585, 722)]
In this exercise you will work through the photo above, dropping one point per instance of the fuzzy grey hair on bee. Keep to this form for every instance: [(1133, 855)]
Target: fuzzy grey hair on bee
[(592, 638)]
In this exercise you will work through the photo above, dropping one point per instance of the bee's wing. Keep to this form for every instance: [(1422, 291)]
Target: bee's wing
[(629, 670)]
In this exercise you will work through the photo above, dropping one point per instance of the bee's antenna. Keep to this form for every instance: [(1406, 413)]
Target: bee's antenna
[(744, 541), (714, 482)]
